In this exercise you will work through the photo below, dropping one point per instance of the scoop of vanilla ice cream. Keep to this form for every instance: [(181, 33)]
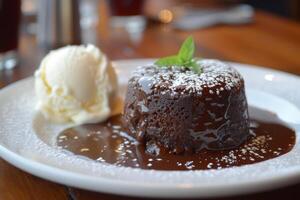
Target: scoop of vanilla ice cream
[(75, 84)]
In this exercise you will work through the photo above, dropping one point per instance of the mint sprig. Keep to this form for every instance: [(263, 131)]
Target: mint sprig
[(184, 58)]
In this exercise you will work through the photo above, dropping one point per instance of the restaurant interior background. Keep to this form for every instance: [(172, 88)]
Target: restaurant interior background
[(97, 12), (98, 27)]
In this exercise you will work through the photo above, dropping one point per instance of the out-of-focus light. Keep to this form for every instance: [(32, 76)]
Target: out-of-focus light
[(165, 16), (269, 77)]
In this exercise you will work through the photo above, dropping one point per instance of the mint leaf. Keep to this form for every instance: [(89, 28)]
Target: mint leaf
[(168, 61), (196, 67), (184, 58), (187, 49)]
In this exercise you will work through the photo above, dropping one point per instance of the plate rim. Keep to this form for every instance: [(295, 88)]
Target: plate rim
[(179, 190)]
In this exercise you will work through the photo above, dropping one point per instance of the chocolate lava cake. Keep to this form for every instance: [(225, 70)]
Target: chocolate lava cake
[(184, 111)]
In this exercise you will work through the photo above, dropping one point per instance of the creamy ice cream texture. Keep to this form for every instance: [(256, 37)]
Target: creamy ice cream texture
[(75, 84)]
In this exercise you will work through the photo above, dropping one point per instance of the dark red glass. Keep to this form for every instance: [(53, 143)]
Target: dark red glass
[(10, 13), (126, 7)]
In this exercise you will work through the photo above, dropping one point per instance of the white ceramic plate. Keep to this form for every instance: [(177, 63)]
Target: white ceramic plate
[(26, 141)]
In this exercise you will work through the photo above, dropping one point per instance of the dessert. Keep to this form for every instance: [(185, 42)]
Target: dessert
[(183, 110), (75, 84)]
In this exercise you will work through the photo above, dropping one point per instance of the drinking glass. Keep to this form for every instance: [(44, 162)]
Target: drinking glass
[(10, 13), (128, 15)]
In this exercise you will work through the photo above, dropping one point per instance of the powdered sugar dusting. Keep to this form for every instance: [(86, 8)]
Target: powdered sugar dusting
[(216, 77)]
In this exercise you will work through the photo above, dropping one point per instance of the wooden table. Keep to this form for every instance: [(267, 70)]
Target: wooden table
[(269, 41)]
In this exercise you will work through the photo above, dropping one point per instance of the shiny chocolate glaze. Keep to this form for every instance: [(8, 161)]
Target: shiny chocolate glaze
[(187, 112), (109, 143)]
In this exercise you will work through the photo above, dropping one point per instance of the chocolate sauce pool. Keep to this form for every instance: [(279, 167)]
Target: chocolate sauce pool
[(108, 142)]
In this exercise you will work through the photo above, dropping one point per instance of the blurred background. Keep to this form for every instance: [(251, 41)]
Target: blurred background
[(135, 28)]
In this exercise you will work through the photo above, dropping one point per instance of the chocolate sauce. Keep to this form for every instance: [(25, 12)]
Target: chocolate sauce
[(108, 142)]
